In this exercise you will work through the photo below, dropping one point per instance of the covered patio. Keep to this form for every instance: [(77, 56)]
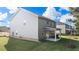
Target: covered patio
[(53, 34)]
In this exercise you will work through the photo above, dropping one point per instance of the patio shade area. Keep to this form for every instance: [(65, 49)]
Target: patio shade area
[(52, 34)]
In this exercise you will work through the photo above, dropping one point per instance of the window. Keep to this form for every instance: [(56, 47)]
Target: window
[(16, 33), (12, 33), (49, 23), (24, 22), (68, 27), (53, 24)]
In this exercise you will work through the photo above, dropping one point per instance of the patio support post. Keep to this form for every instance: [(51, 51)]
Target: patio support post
[(60, 34), (55, 35)]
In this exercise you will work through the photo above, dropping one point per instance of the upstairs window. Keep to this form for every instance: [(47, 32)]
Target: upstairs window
[(50, 24), (16, 33), (24, 22), (12, 33)]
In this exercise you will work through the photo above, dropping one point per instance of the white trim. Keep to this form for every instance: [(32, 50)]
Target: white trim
[(52, 39)]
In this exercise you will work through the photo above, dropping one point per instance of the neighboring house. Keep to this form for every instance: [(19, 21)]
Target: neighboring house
[(4, 31), (67, 24), (65, 28), (29, 26), (61, 26)]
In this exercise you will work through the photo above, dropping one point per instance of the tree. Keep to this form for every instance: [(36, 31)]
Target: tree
[(75, 12)]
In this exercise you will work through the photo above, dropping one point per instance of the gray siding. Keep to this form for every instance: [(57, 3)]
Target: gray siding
[(42, 24)]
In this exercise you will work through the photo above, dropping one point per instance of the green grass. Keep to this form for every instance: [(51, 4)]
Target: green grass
[(71, 37), (12, 44)]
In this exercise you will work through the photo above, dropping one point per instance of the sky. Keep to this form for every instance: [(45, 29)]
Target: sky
[(41, 10), (53, 13), (5, 14)]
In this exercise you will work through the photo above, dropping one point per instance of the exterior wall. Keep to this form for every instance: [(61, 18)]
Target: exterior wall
[(4, 34), (41, 31), (43, 23), (24, 25), (62, 27)]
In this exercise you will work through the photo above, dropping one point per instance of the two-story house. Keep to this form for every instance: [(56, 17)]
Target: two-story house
[(65, 28), (29, 26)]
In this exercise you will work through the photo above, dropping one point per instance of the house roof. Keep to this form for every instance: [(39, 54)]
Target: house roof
[(61, 23), (37, 15), (33, 14), (46, 18)]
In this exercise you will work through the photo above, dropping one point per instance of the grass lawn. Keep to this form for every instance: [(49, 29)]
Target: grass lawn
[(12, 44), (71, 37)]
